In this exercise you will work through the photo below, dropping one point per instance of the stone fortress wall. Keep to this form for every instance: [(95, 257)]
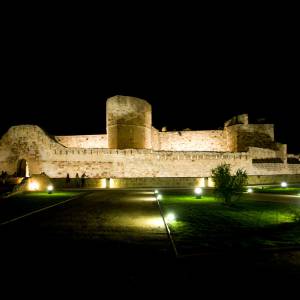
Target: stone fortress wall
[(83, 141), (133, 148), (205, 140)]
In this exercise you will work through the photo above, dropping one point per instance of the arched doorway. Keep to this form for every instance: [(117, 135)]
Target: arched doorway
[(22, 168)]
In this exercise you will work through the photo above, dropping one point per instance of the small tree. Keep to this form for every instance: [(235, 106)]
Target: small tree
[(227, 185)]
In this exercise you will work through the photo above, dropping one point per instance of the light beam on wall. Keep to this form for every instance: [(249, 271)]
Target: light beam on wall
[(103, 183)]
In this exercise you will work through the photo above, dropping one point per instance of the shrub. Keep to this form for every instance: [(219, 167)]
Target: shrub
[(227, 185)]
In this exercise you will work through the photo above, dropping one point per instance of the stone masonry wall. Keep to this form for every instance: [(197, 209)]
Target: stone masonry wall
[(139, 163), (241, 137), (129, 123), (27, 142), (274, 169), (205, 140), (44, 154), (155, 139), (274, 179), (83, 141), (259, 153), (143, 163), (186, 182)]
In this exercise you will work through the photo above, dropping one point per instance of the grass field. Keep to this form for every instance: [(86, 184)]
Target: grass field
[(25, 203), (204, 225)]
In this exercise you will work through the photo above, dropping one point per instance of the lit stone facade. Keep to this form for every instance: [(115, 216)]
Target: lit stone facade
[(133, 148)]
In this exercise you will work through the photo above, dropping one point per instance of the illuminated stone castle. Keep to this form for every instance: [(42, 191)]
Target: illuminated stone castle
[(134, 153)]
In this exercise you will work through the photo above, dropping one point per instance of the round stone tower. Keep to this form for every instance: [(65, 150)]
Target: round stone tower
[(129, 123)]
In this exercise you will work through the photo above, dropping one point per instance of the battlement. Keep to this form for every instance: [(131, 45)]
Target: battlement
[(147, 154)]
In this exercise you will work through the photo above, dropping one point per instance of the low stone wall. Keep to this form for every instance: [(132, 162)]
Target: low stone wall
[(273, 179), (188, 182), (74, 183), (129, 182)]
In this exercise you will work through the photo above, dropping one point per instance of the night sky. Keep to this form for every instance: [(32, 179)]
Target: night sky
[(196, 75)]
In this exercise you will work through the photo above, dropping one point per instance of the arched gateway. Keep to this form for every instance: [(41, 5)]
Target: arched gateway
[(22, 168)]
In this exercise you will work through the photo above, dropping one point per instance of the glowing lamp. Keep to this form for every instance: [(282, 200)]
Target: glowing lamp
[(159, 197), (156, 192), (33, 186), (198, 192), (170, 218), (284, 184), (50, 189), (250, 190)]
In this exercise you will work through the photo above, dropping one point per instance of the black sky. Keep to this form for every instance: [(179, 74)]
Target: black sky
[(58, 72)]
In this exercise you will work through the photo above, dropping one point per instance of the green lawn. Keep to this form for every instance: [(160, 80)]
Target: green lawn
[(279, 190), (27, 202), (204, 225)]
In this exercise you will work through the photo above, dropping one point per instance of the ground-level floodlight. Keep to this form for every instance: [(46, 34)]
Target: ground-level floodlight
[(156, 192), (249, 190), (33, 186), (170, 217), (284, 184), (159, 197), (50, 189), (198, 192)]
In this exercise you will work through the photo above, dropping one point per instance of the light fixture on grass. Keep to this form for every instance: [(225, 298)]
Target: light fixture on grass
[(170, 217), (50, 189), (198, 192)]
